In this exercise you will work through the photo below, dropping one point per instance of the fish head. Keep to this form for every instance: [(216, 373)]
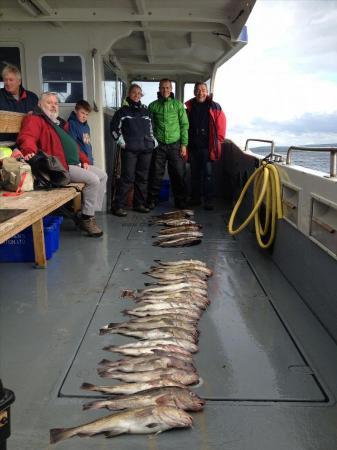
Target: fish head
[(174, 417), (191, 400)]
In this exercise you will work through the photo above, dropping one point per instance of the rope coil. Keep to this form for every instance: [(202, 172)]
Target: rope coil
[(266, 189)]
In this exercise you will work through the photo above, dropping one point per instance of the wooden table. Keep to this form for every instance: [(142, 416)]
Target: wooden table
[(38, 204)]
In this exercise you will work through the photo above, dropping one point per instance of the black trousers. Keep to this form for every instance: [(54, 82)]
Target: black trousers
[(202, 183), (134, 172), (176, 169)]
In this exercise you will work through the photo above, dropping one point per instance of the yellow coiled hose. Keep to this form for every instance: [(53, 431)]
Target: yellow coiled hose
[(266, 186)]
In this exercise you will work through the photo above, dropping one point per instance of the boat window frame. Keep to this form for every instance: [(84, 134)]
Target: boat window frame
[(84, 78)]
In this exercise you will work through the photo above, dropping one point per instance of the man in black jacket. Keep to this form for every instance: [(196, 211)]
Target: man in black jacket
[(13, 97)]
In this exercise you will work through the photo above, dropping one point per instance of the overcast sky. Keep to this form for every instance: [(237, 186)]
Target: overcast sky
[(283, 84)]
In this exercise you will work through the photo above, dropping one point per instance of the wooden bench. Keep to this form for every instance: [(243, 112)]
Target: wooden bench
[(37, 204)]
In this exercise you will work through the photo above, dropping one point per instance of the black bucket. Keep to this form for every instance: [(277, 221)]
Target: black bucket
[(7, 397)]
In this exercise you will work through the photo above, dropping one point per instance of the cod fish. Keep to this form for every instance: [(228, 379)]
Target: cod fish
[(144, 364), (146, 358), (158, 306), (159, 333), (186, 241), (181, 376), (180, 345), (183, 228), (192, 280), (153, 419), (171, 316), (181, 262), (169, 396), (176, 303), (175, 222), (180, 213), (183, 312), (175, 276), (182, 234), (150, 325), (132, 388)]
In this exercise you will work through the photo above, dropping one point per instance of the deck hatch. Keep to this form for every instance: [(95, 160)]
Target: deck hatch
[(246, 353)]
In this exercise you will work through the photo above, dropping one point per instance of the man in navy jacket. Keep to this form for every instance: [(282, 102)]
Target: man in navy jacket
[(14, 97)]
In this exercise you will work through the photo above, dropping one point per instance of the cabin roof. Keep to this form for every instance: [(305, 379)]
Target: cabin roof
[(156, 38)]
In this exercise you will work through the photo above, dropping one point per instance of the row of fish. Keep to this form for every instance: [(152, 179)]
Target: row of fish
[(181, 230), (157, 368)]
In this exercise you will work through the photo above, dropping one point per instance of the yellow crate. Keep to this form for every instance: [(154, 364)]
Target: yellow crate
[(10, 122)]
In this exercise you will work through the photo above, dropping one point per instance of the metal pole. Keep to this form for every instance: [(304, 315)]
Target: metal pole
[(333, 164), (93, 53)]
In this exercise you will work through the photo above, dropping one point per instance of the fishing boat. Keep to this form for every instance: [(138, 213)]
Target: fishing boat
[(268, 341)]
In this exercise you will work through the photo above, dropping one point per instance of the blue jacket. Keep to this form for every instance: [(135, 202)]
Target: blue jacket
[(81, 133), (131, 126), (27, 102)]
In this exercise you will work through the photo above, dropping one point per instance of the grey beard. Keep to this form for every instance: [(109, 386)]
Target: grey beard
[(52, 116)]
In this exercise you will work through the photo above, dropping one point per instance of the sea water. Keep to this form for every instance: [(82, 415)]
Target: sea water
[(312, 160)]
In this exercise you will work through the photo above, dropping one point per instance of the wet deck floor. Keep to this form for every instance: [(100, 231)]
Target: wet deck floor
[(267, 366)]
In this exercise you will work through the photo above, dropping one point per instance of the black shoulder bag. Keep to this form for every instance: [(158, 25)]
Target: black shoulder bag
[(48, 171)]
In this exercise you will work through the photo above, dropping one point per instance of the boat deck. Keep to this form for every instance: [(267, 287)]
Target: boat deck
[(268, 368)]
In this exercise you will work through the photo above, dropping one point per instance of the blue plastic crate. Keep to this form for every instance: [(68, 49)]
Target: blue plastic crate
[(164, 193), (20, 248)]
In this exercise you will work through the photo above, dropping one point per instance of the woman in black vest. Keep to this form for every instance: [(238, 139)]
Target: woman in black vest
[(131, 127)]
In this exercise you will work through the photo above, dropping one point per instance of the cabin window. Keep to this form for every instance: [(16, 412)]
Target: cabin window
[(150, 90), (114, 89), (188, 91), (63, 74), (9, 55), (113, 93)]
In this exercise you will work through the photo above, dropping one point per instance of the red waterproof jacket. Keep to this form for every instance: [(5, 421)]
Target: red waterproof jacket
[(217, 127), (38, 133)]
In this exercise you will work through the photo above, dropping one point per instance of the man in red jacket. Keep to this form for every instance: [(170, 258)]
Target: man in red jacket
[(206, 133), (44, 129)]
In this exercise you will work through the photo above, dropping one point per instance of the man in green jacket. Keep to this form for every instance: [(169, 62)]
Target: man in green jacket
[(170, 128)]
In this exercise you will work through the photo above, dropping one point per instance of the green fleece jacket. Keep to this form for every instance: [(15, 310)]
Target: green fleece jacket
[(170, 122)]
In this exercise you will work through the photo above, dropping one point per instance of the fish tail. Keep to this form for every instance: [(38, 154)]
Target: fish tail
[(59, 434), (97, 404), (104, 373), (104, 331), (88, 387), (109, 348), (107, 362)]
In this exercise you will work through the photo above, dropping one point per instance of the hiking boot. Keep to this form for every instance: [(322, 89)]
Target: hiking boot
[(141, 209), (119, 212), (91, 227)]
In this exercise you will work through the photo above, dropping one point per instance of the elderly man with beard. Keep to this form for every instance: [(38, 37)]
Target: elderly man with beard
[(44, 130)]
